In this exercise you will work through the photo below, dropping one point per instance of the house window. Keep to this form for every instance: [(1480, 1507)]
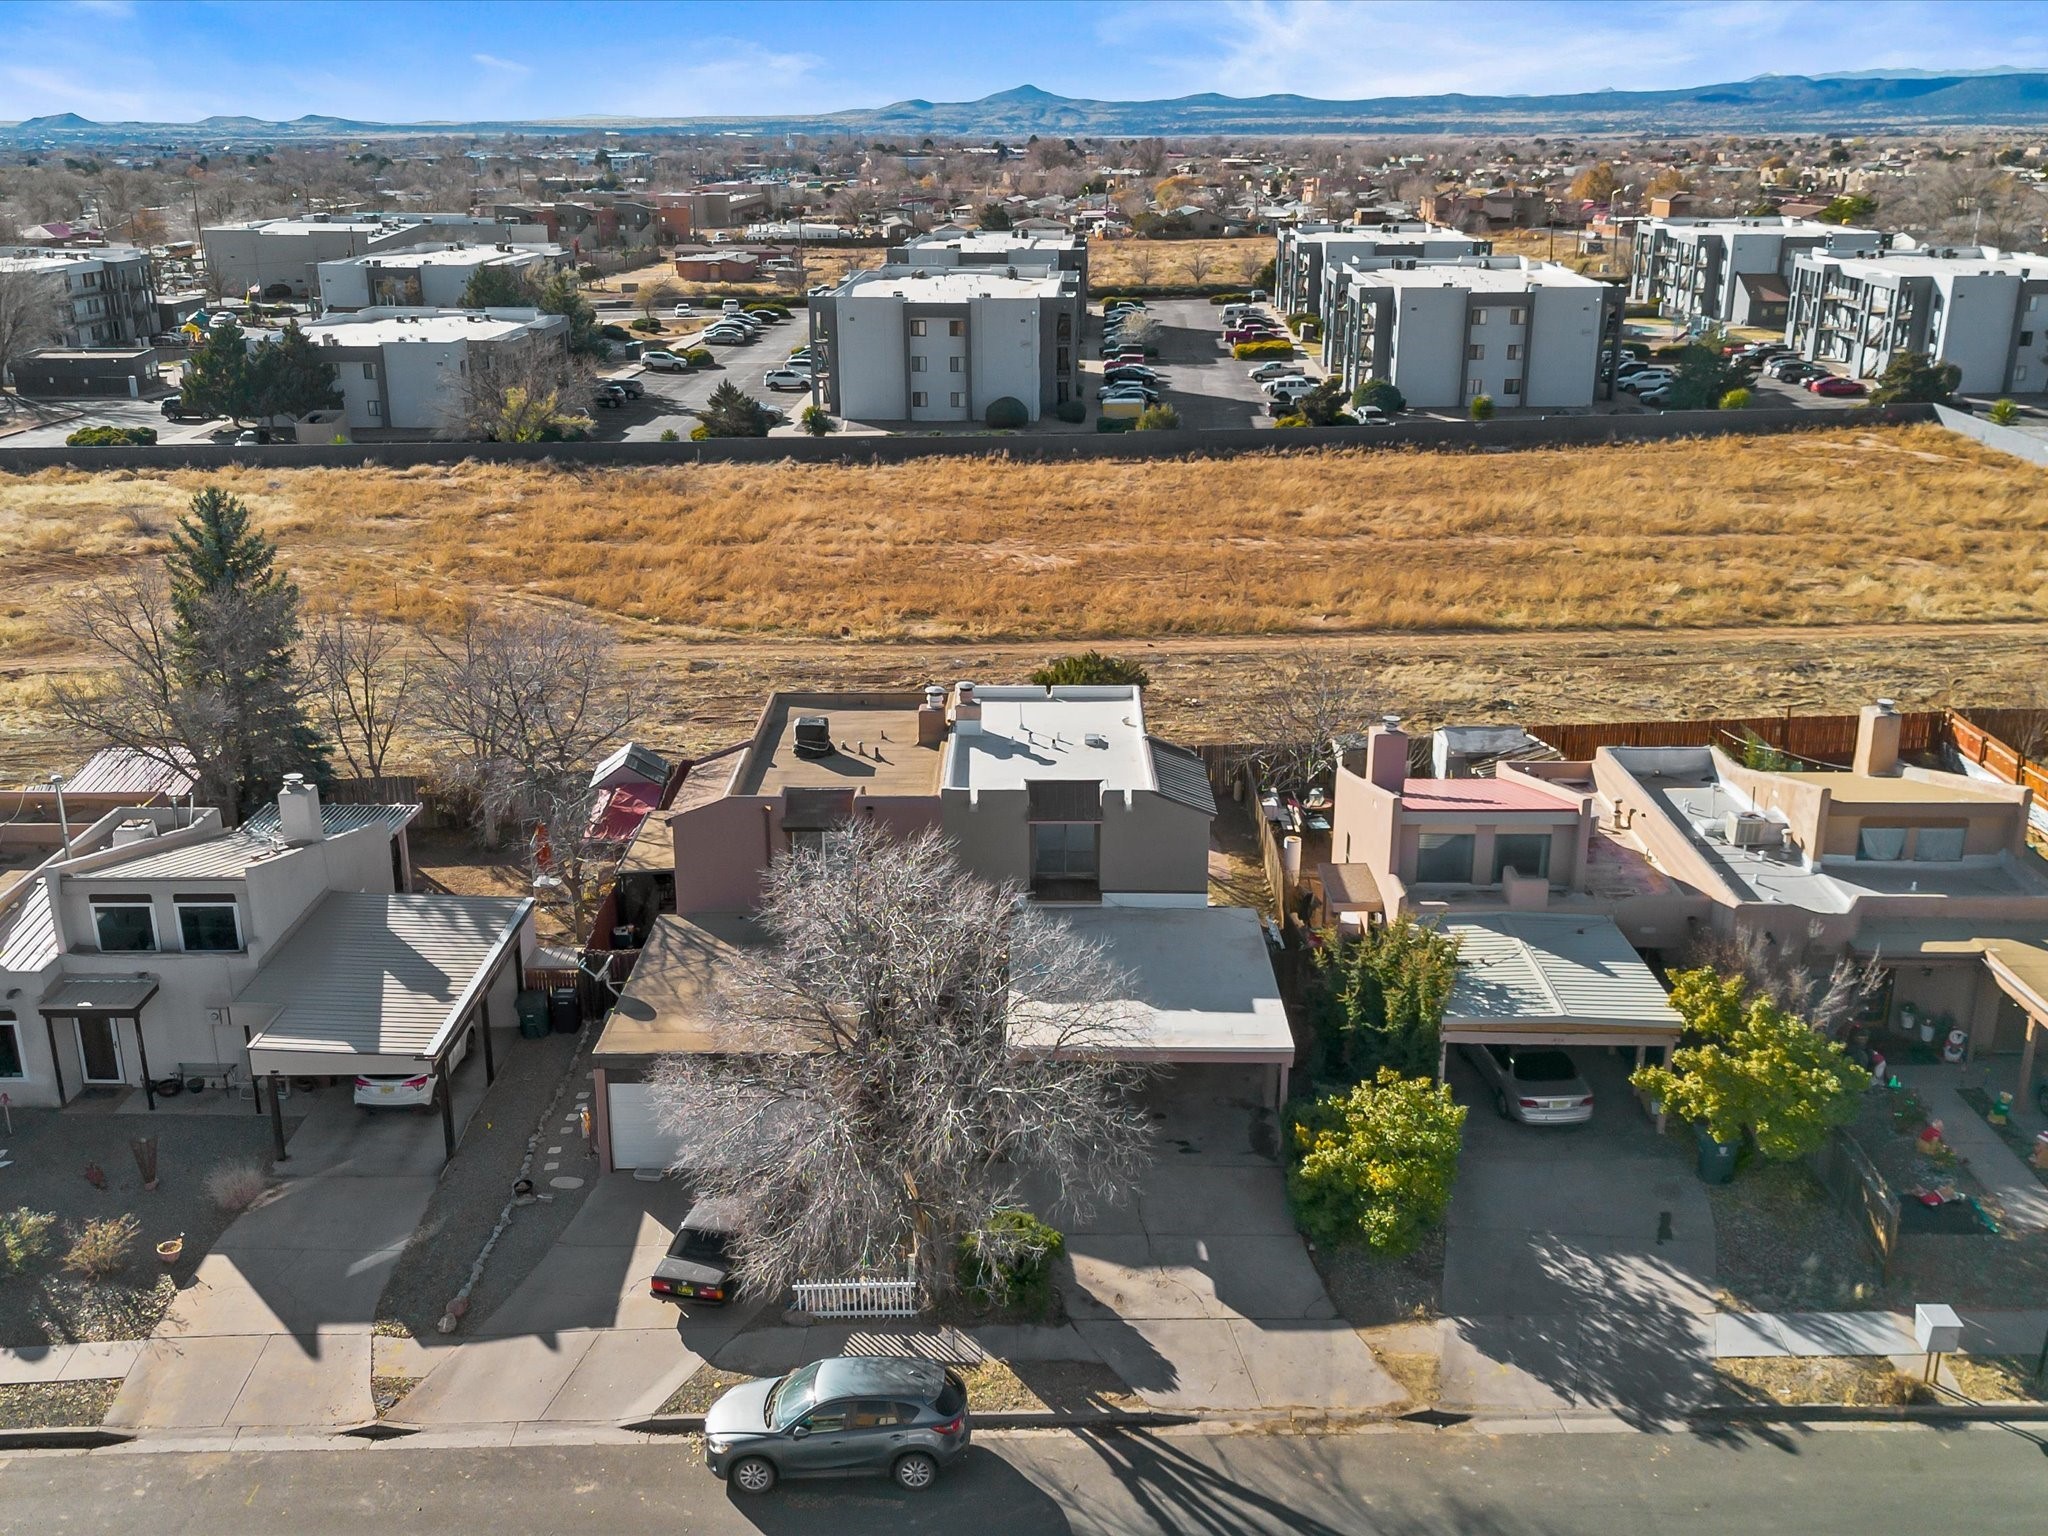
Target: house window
[(956, 327), (208, 922), (1514, 317), (1939, 845), (1444, 858), (1526, 853), (1514, 351), (1475, 387), (1511, 386), (10, 1047), (1064, 850), (953, 364), (2026, 338), (1476, 351), (1479, 317), (956, 398), (917, 327), (917, 397), (376, 410), (369, 370), (917, 365), (1884, 844), (806, 839), (124, 923)]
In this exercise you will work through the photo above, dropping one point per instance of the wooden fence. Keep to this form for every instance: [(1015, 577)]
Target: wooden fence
[(1860, 1193), (1985, 737), (1829, 739), (856, 1298)]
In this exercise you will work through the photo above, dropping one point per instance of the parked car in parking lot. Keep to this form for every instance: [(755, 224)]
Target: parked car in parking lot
[(1273, 370), (1840, 389), (1371, 416), (786, 378), (872, 1415), (608, 396), (1292, 387), (633, 388), (1648, 378), (1537, 1085), (1129, 392), (1658, 397), (1132, 373), (685, 310), (1792, 369), (664, 362), (175, 408)]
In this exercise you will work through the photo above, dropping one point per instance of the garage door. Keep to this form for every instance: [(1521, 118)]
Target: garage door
[(638, 1141)]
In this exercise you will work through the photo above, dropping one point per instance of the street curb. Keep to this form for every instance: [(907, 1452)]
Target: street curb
[(377, 1429), (1843, 1413), (64, 1438), (1108, 1418)]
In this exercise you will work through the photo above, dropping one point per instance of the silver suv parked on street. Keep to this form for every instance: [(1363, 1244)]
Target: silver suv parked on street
[(850, 1416)]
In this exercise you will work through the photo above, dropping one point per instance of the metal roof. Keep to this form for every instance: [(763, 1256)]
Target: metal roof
[(124, 771), (631, 762), (29, 941), (1545, 971), (372, 975), (336, 819), (1182, 776), (226, 857), (100, 994)]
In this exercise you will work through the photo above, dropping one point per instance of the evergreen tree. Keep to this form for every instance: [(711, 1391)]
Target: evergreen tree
[(497, 288), (559, 295), (235, 636), (290, 377), (220, 378), (1914, 377), (732, 413)]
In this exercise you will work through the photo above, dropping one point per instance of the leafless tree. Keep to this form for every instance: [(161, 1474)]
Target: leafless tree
[(1249, 264), (1308, 701), (31, 313), (365, 687), (657, 295), (1830, 1001), (1141, 264), (1200, 264), (912, 1052), (518, 394), (523, 706)]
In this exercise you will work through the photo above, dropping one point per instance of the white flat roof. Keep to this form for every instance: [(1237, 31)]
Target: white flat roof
[(1550, 978), (1199, 984), (953, 285), (1044, 733), (365, 329), (476, 254), (1477, 277)]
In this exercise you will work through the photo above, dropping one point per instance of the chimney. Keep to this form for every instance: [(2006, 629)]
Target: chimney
[(1386, 754), (931, 717), (1877, 739), (966, 710), (298, 812), (130, 832)]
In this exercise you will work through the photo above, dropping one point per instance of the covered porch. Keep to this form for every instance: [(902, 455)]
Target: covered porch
[(101, 1015)]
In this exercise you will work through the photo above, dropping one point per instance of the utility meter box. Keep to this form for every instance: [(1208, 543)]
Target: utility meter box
[(1937, 1329)]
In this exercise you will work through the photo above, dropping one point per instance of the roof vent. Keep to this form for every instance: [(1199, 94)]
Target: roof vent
[(1096, 739), (812, 736)]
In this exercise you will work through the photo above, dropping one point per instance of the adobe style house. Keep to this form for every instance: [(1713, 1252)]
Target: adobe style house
[(1062, 792)]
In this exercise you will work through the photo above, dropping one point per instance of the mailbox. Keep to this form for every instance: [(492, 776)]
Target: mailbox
[(1937, 1330)]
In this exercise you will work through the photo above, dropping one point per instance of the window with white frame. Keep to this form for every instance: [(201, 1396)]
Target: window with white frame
[(956, 327), (1444, 858), (917, 327), (1476, 351), (376, 410), (1514, 351), (124, 924), (369, 370), (1479, 317), (917, 397), (956, 398), (953, 363), (11, 1063), (208, 922), (917, 364), (1511, 386), (1514, 317)]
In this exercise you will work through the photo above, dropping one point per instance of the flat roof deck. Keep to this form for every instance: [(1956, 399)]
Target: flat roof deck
[(1863, 789), (876, 738), (1028, 734), (1481, 795)]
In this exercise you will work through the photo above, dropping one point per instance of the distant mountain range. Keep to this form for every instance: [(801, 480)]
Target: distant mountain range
[(1903, 100)]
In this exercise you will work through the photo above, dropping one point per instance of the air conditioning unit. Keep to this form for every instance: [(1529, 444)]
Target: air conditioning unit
[(1746, 829)]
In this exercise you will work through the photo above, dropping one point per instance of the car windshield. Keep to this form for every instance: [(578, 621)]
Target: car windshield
[(1544, 1067), (790, 1398)]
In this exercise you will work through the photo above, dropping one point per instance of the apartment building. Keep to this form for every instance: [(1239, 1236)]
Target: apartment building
[(433, 275), (1022, 251), (943, 342), (1524, 333), (158, 944), (1693, 268), (401, 371), (1303, 253), (261, 255), (103, 293), (1062, 792), (1984, 310)]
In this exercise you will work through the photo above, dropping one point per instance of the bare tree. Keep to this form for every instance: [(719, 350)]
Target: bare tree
[(524, 706), (1829, 1001), (657, 295), (912, 1052), (516, 394), (1141, 263), (31, 313), (365, 687), (1308, 701), (1200, 264)]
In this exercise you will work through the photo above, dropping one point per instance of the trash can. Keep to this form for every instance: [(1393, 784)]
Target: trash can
[(564, 1010), (1717, 1159), (532, 1008)]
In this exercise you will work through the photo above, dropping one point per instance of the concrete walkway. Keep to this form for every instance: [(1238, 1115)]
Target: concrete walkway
[(2023, 1197), (68, 1362)]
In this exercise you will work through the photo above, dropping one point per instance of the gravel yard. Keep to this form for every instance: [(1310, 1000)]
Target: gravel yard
[(55, 1404), (49, 1151), (475, 1186)]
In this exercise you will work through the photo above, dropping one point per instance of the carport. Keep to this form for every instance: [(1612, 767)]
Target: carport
[(1533, 978), (376, 985)]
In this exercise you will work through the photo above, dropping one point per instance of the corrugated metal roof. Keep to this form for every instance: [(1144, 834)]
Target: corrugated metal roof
[(1182, 776), (631, 763), (1540, 968), (380, 975), (29, 940), (226, 857), (337, 819), (122, 771), (100, 994)]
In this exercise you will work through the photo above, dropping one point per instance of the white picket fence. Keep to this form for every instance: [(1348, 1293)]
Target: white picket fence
[(856, 1298)]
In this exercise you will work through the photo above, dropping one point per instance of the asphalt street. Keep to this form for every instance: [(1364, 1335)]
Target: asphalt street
[(1985, 1480)]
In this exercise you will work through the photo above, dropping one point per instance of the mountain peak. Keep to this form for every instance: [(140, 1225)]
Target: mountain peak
[(1021, 95)]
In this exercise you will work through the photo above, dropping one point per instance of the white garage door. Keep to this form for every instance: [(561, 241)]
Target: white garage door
[(638, 1141)]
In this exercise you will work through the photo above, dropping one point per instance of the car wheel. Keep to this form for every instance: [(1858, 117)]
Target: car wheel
[(752, 1474), (1500, 1104), (916, 1471)]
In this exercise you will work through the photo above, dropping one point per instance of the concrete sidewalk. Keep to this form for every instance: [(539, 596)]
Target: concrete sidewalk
[(68, 1362)]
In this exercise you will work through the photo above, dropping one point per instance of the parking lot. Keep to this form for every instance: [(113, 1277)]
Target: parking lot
[(1202, 381)]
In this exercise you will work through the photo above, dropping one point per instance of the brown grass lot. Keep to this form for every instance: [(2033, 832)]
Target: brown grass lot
[(1804, 571), (1157, 263)]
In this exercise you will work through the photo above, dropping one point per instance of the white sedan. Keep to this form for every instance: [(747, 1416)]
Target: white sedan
[(407, 1091)]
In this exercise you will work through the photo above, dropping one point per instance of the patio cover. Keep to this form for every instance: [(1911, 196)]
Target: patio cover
[(2017, 960), (377, 984), (1548, 979)]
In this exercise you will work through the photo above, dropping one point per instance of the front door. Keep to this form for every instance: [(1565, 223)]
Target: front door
[(99, 1050)]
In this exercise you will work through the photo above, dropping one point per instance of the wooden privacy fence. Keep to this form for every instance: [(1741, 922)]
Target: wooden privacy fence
[(1820, 738), (1985, 737), (1860, 1192), (856, 1298)]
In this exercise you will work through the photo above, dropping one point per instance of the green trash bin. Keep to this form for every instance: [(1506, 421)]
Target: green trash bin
[(532, 1009), (1717, 1159)]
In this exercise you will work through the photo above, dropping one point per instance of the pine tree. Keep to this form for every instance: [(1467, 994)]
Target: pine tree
[(497, 288), (730, 412), (235, 643), (220, 379), (289, 377), (559, 295)]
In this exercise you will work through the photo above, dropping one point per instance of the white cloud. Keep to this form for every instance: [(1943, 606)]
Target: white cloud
[(509, 67), (726, 77)]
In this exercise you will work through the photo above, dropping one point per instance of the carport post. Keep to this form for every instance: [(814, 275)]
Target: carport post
[(277, 1120), (1443, 1058), (447, 1105), (142, 1054), (490, 1063)]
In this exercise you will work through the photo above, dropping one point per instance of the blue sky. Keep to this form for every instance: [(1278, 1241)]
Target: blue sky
[(415, 60)]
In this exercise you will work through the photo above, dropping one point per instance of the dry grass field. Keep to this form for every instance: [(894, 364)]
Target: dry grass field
[(1799, 571), (1115, 263)]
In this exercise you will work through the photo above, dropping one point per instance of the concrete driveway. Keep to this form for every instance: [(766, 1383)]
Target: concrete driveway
[(1579, 1261), (1198, 1291)]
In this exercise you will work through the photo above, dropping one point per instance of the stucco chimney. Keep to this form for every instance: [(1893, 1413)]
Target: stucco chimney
[(1386, 754), (298, 811), (1877, 738), (931, 717), (966, 710)]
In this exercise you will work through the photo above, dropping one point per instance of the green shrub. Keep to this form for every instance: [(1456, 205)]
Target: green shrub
[(1374, 1165), (1009, 1262), (1072, 412), (1300, 318), (1114, 423), (111, 437), (1735, 400), (1220, 299), (25, 1236), (101, 1247), (2004, 413), (818, 421), (1481, 408), (697, 357), (1381, 393), (670, 435), (1379, 1000), (699, 433), (613, 332), (1090, 669), (646, 324), (1260, 351), (1159, 418), (1295, 419), (1006, 413)]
